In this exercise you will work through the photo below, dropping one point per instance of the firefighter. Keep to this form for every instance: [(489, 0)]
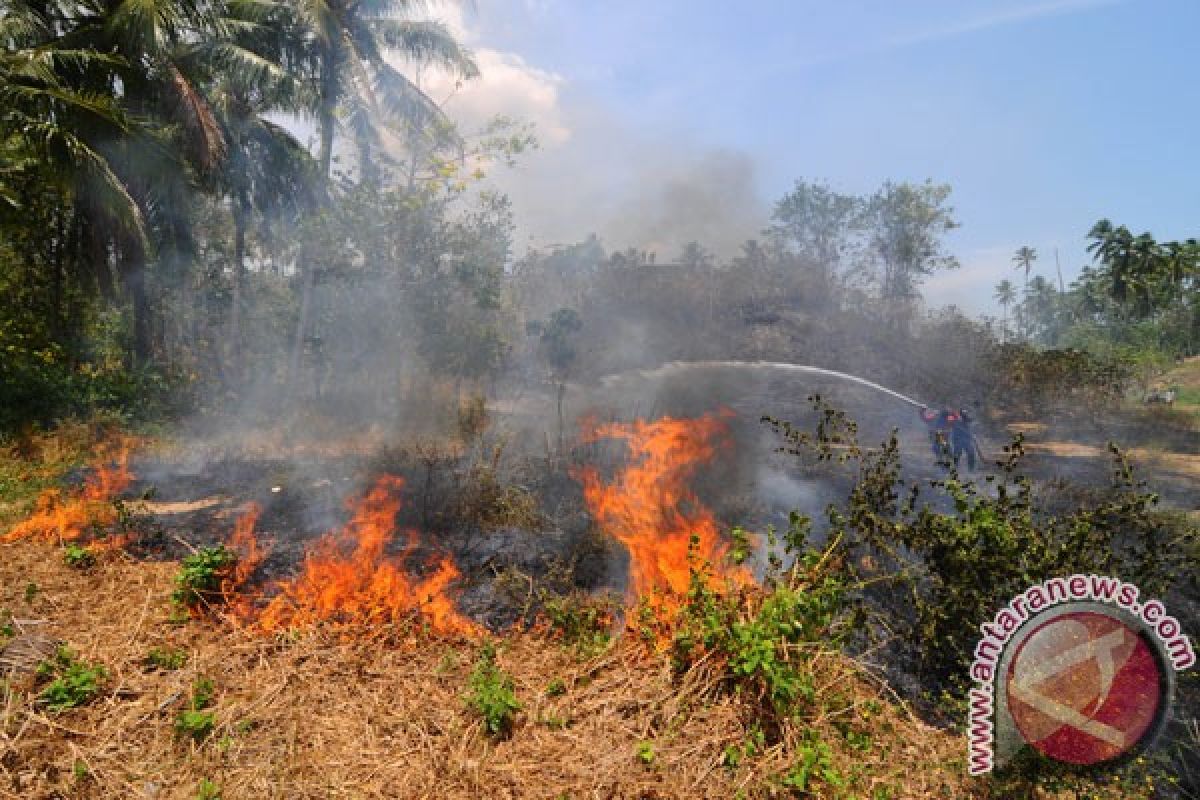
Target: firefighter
[(950, 436), (937, 423), (962, 439)]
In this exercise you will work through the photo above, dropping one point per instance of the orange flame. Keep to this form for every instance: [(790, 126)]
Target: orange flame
[(251, 553), (65, 518), (348, 580), (649, 508)]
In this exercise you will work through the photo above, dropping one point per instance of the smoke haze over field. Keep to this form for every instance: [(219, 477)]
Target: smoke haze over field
[(630, 101)]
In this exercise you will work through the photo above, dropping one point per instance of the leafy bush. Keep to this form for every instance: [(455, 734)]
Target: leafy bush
[(951, 558), (491, 694), (78, 557), (194, 721), (767, 639), (166, 659), (207, 790), (74, 682), (201, 574), (580, 621)]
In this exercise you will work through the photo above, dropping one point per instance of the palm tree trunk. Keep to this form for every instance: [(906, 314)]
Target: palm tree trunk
[(133, 271), (239, 278), (325, 157)]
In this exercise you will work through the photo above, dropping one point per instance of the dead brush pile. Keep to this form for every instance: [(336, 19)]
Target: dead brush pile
[(306, 715)]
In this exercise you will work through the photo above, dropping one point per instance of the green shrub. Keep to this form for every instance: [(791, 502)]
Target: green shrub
[(73, 682), (194, 721), (195, 724), (201, 574), (580, 621), (491, 694), (814, 766), (767, 640), (78, 557), (969, 548), (207, 790), (166, 659)]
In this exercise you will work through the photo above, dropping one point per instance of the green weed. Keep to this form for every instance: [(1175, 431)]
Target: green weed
[(491, 694), (73, 682), (200, 576), (207, 790), (78, 557), (166, 659), (194, 721)]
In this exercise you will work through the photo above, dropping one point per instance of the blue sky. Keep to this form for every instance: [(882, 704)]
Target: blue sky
[(1044, 115)]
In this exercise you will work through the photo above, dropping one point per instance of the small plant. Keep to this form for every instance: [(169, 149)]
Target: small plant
[(556, 688), (200, 575), (74, 682), (78, 557), (195, 724), (31, 592), (815, 764), (555, 722), (195, 721), (166, 659), (207, 790), (79, 771), (645, 752), (491, 694), (753, 744), (580, 621)]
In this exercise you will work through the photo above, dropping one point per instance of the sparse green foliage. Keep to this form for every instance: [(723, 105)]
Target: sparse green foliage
[(767, 640), (31, 592), (580, 621), (78, 557), (491, 693), (814, 767), (645, 752), (556, 688), (166, 659), (72, 682), (207, 790), (200, 576), (194, 721), (999, 530)]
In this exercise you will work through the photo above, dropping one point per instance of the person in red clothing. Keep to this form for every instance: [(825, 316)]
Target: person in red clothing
[(950, 436)]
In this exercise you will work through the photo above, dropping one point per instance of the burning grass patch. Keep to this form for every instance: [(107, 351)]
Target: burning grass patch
[(315, 716)]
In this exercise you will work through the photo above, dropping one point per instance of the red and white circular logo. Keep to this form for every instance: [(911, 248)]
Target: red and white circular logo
[(1084, 687)]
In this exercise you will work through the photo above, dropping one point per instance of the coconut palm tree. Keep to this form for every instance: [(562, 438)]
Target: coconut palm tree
[(350, 39), (1024, 258), (1005, 295)]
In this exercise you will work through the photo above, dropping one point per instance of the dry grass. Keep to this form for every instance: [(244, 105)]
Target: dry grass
[(310, 717)]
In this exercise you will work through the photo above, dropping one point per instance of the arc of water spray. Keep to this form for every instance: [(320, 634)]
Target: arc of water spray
[(676, 366)]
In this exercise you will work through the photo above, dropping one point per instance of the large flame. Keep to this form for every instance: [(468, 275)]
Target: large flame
[(250, 555), (66, 517), (649, 508), (348, 579)]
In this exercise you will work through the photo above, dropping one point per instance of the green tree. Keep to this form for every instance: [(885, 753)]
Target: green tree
[(557, 345), (817, 224), (1006, 295), (349, 41), (1023, 259), (906, 223)]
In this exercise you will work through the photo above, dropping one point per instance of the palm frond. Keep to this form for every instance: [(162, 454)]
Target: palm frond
[(427, 42), (202, 131)]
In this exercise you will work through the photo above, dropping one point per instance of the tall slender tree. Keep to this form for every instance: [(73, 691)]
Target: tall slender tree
[(1005, 295), (1023, 259)]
